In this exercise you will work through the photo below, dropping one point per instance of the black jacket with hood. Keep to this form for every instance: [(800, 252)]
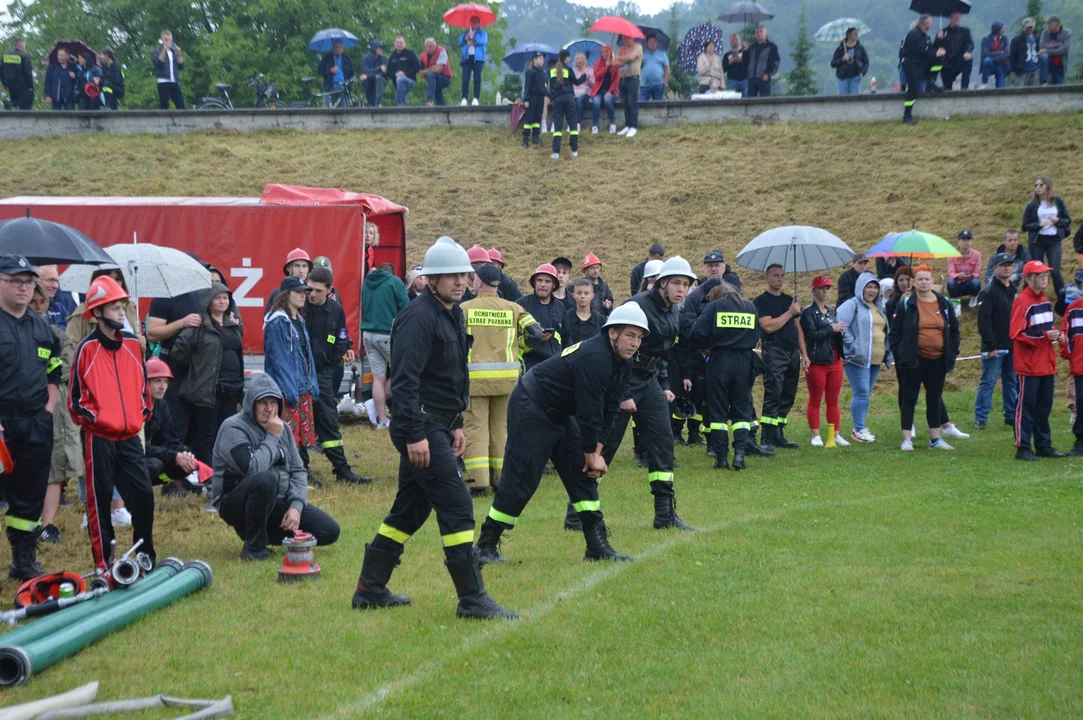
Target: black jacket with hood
[(846, 70), (198, 352), (1033, 225), (903, 333)]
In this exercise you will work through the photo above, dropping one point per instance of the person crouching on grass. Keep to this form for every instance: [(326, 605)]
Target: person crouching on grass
[(109, 398)]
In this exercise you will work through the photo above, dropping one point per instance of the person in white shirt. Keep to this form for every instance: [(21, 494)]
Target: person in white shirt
[(168, 62)]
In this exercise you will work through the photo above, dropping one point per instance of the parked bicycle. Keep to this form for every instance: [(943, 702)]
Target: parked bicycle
[(341, 98), (267, 96)]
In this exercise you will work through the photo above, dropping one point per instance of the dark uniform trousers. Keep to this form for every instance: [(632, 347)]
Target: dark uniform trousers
[(1032, 412), (254, 510), (729, 397), (30, 441), (327, 430), (652, 417), (120, 464), (438, 487), (564, 112), (914, 72), (163, 472), (781, 374), (533, 440)]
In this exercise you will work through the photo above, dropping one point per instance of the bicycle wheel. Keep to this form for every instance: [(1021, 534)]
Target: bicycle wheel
[(276, 105), (212, 105), (300, 105)]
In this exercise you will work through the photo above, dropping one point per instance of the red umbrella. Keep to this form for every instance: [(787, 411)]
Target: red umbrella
[(618, 25), (459, 16)]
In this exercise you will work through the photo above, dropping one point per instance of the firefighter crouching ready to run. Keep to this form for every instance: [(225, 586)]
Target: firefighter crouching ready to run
[(562, 410), (648, 395), (110, 400), (498, 329), (29, 380), (728, 327), (429, 381)]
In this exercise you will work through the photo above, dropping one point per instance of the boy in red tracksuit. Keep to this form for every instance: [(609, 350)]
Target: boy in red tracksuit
[(109, 398), (1071, 348), (1033, 334)]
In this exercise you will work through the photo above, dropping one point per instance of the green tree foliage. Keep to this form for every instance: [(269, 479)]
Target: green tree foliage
[(229, 42), (680, 82), (802, 80), (1034, 10)]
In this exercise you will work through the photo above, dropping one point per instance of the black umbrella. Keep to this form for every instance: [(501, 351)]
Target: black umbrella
[(663, 39), (74, 48), (745, 13), (48, 243), (940, 8)]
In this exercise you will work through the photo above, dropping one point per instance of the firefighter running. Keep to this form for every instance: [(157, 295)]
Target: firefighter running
[(499, 329), (563, 409), (429, 382), (648, 396), (730, 329)]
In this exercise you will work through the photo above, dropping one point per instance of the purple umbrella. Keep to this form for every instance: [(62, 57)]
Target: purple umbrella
[(693, 43)]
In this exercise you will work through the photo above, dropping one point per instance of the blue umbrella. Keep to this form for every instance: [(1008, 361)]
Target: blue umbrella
[(591, 48), (518, 58), (325, 39)]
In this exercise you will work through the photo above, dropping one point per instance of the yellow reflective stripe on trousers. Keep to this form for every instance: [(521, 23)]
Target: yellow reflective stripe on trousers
[(908, 103), (17, 523), (331, 444), (767, 421), (392, 534), (588, 506), (495, 514), (476, 463), (494, 374), (741, 426), (459, 538), (660, 477), (717, 426)]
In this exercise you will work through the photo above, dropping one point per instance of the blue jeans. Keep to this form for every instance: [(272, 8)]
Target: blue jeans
[(472, 68), (651, 92), (862, 380), (991, 368), (1049, 72), (435, 85), (610, 101), (403, 86), (758, 87), (970, 288), (989, 67), (902, 79), (850, 86), (740, 86), (581, 103)]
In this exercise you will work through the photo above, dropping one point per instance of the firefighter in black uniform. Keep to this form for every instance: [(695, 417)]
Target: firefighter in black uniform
[(429, 380), (331, 345), (548, 311), (693, 366), (918, 58), (29, 382), (561, 81), (728, 327), (17, 75), (563, 410), (535, 90), (649, 393)]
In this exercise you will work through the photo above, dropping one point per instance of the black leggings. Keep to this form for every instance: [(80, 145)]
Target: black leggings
[(207, 421), (931, 374)]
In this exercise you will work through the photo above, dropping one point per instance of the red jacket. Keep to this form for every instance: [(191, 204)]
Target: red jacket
[(1072, 328), (1032, 353), (600, 71), (427, 61), (108, 394)]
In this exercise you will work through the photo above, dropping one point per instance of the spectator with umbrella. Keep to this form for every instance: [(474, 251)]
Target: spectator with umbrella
[(582, 90), (959, 59), (88, 83), (918, 56), (709, 68), (851, 62), (605, 91), (336, 67), (60, 82), (629, 60), (473, 42), (168, 61), (763, 64), (735, 65)]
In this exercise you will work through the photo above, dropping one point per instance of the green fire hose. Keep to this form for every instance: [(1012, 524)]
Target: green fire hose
[(70, 616), (18, 663)]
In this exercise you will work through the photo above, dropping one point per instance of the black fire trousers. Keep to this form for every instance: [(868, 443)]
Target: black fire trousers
[(656, 434), (781, 375), (327, 430), (729, 396), (30, 442)]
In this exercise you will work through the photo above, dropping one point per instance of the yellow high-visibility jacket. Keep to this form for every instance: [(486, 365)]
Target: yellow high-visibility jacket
[(499, 328)]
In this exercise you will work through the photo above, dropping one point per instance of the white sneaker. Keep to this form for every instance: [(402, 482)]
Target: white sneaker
[(913, 431), (973, 302), (594, 130), (463, 103), (952, 431), (862, 436), (632, 133), (474, 102), (841, 441), (121, 517), (575, 153), (622, 132), (84, 520), (907, 445), (612, 129), (555, 156), (545, 128), (939, 444), (817, 441), (383, 425)]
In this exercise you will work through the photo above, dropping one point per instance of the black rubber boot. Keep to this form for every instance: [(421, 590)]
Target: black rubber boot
[(24, 555), (1077, 449), (643, 460), (572, 520), (720, 444), (526, 139), (753, 448), (767, 437), (1049, 452), (677, 426), (738, 458), (598, 547), (534, 135), (349, 476), (695, 437), (474, 602), (372, 589), (665, 514), (1026, 455), (908, 116), (780, 438), (489, 543)]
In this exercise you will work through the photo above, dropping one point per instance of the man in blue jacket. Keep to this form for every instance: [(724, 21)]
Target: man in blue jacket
[(60, 82), (473, 42), (168, 61), (335, 68), (995, 56), (374, 73)]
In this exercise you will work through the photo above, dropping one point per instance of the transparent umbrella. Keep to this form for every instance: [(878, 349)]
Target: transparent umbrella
[(149, 271), (797, 248)]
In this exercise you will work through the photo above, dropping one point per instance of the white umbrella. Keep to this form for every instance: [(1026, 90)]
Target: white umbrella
[(797, 248), (149, 271)]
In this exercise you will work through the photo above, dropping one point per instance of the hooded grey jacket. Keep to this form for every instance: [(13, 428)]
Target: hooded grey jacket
[(244, 449), (857, 335)]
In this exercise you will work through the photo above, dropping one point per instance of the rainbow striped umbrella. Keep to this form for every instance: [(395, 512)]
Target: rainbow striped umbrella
[(913, 244)]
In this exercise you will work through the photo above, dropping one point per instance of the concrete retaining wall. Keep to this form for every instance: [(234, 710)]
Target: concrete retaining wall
[(859, 108)]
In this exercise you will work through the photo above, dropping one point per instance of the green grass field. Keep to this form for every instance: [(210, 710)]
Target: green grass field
[(856, 582)]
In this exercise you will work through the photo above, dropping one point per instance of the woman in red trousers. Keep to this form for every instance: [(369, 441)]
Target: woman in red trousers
[(820, 341)]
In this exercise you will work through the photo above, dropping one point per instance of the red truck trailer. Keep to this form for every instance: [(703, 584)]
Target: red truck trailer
[(246, 238)]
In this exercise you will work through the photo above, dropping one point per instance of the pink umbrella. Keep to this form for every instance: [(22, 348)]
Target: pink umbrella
[(618, 25), (459, 16), (517, 114)]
